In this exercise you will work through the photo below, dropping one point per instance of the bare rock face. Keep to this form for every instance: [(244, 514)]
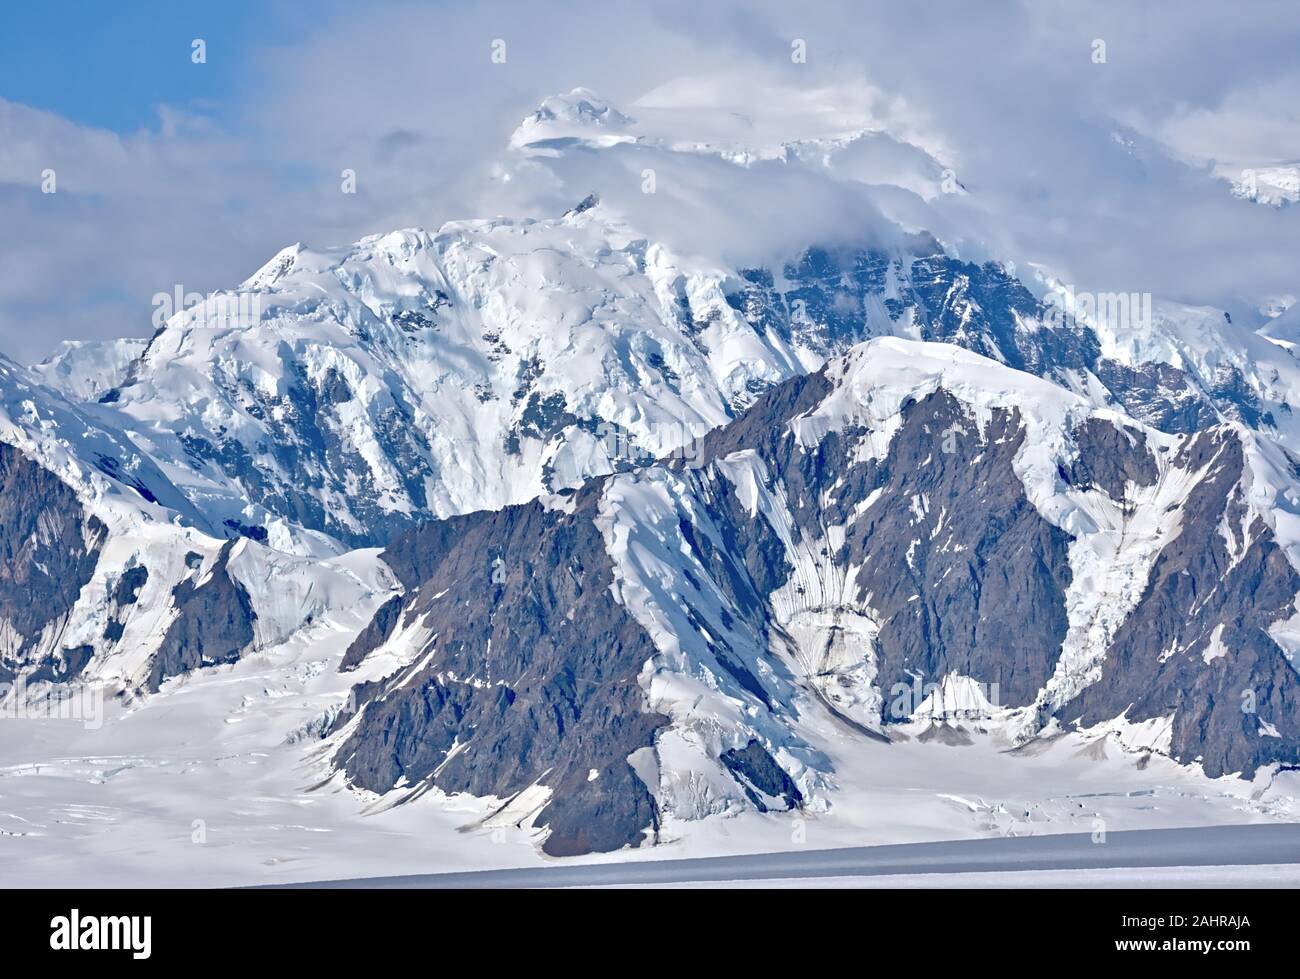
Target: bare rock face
[(213, 625), (528, 675), (765, 782), (49, 547), (1198, 644), (374, 635), (530, 671), (1110, 458), (965, 575)]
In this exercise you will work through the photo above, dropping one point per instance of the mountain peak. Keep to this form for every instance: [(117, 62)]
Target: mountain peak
[(280, 264), (579, 116)]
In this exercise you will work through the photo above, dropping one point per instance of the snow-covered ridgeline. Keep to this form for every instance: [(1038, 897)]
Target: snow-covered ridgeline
[(714, 705), (437, 374)]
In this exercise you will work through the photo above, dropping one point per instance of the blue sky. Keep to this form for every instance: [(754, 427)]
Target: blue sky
[(113, 64), (171, 173)]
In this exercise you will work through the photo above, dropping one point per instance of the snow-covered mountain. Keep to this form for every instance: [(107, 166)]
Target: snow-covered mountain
[(416, 375), (1276, 186), (356, 392), (623, 532), (337, 397), (111, 575), (915, 541)]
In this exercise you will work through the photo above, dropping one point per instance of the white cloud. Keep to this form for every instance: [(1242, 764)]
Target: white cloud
[(408, 96)]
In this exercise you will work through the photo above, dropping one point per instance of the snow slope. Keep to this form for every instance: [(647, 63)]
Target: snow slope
[(83, 370)]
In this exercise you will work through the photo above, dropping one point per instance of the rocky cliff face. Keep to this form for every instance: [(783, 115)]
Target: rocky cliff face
[(963, 573), (213, 623), (1198, 648), (49, 546), (524, 672), (110, 576)]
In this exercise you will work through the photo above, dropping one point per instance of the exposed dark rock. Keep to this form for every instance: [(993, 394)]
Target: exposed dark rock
[(586, 204), (965, 575), (374, 635), (532, 675), (836, 298), (1110, 457), (1228, 387), (127, 590), (531, 672), (49, 547), (763, 426), (412, 321), (63, 667), (1157, 395), (306, 457), (542, 417), (214, 624), (757, 771), (1206, 598), (111, 467), (963, 572), (598, 815), (125, 594), (414, 556), (985, 597), (252, 532)]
